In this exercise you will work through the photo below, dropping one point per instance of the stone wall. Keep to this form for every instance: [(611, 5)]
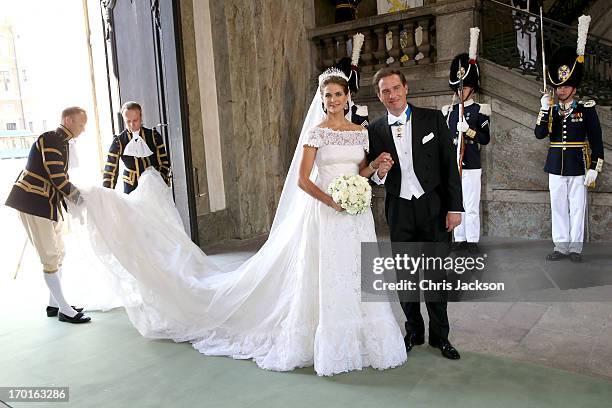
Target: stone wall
[(264, 73), (262, 63)]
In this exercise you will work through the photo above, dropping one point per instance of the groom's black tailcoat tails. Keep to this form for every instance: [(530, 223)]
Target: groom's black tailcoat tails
[(421, 219)]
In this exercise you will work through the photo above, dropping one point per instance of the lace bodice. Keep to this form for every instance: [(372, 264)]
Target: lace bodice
[(339, 152)]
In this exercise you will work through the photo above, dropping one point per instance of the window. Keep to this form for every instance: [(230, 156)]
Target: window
[(11, 126), (31, 126)]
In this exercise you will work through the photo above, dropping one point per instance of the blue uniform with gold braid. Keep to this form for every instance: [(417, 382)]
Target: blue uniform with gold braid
[(135, 166), (477, 117), (571, 137), (358, 114), (42, 186)]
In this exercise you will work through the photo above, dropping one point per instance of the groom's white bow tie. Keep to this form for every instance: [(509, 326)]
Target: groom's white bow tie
[(396, 120)]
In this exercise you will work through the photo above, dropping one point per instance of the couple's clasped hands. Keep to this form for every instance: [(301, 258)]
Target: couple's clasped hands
[(382, 164)]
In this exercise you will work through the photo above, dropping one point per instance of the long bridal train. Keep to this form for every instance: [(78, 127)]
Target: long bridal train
[(295, 303)]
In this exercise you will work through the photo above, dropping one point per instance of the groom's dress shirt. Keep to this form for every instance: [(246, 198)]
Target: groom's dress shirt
[(401, 129)]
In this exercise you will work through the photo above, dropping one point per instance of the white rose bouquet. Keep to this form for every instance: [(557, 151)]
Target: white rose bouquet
[(351, 192)]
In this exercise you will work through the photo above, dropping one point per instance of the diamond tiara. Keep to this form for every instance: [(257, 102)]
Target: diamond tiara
[(332, 72)]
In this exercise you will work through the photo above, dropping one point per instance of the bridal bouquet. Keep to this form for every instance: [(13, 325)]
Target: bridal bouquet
[(351, 192)]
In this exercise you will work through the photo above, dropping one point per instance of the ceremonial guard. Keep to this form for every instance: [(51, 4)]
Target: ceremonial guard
[(576, 154), (138, 147), (38, 195), (358, 114), (468, 122)]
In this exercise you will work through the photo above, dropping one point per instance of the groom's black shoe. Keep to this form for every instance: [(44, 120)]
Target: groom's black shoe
[(52, 311), (412, 339), (78, 318), (446, 348)]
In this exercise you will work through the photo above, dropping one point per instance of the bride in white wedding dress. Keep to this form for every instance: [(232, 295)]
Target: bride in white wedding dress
[(296, 302)]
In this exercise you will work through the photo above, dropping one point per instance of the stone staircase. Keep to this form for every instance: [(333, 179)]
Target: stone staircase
[(515, 198)]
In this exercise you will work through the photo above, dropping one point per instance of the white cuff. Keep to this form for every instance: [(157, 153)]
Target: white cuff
[(377, 179)]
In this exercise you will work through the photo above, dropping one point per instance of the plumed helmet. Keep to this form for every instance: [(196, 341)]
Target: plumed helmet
[(463, 66), (565, 68)]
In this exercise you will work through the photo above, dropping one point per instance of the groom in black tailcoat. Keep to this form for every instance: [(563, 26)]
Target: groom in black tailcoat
[(423, 191)]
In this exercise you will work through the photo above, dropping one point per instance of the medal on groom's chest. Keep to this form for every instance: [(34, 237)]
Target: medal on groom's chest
[(398, 131)]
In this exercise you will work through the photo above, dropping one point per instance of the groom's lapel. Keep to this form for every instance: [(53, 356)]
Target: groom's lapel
[(418, 130)]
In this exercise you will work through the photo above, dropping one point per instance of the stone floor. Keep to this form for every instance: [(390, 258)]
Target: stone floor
[(513, 354), (569, 335)]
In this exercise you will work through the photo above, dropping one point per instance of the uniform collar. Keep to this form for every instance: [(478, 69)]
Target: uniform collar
[(131, 134), (64, 130), (571, 106), (468, 103)]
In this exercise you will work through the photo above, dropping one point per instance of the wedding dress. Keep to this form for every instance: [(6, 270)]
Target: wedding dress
[(295, 303)]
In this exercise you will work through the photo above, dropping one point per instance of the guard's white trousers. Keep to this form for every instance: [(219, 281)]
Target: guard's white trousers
[(568, 196), (469, 229)]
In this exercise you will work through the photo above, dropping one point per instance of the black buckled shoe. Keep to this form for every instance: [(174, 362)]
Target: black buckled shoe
[(575, 257), (412, 339), (446, 349), (53, 311), (78, 318), (555, 256)]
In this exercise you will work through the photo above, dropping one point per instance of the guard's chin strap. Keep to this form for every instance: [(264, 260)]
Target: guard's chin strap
[(571, 95), (469, 95)]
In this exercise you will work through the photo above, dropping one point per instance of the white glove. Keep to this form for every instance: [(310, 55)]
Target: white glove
[(590, 177), (545, 102), (463, 126)]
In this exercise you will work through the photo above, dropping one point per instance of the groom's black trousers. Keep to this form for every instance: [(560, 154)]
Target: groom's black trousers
[(422, 220)]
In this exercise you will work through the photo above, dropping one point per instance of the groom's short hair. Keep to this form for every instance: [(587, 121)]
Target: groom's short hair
[(385, 72)]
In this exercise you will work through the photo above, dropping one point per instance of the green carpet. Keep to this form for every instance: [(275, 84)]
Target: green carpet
[(108, 364)]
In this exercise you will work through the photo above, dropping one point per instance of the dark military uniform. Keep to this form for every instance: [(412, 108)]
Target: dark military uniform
[(570, 139), (477, 117), (466, 71), (42, 186), (358, 115), (575, 154), (135, 166)]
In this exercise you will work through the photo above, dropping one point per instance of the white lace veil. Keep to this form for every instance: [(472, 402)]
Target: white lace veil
[(169, 286), (292, 198)]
